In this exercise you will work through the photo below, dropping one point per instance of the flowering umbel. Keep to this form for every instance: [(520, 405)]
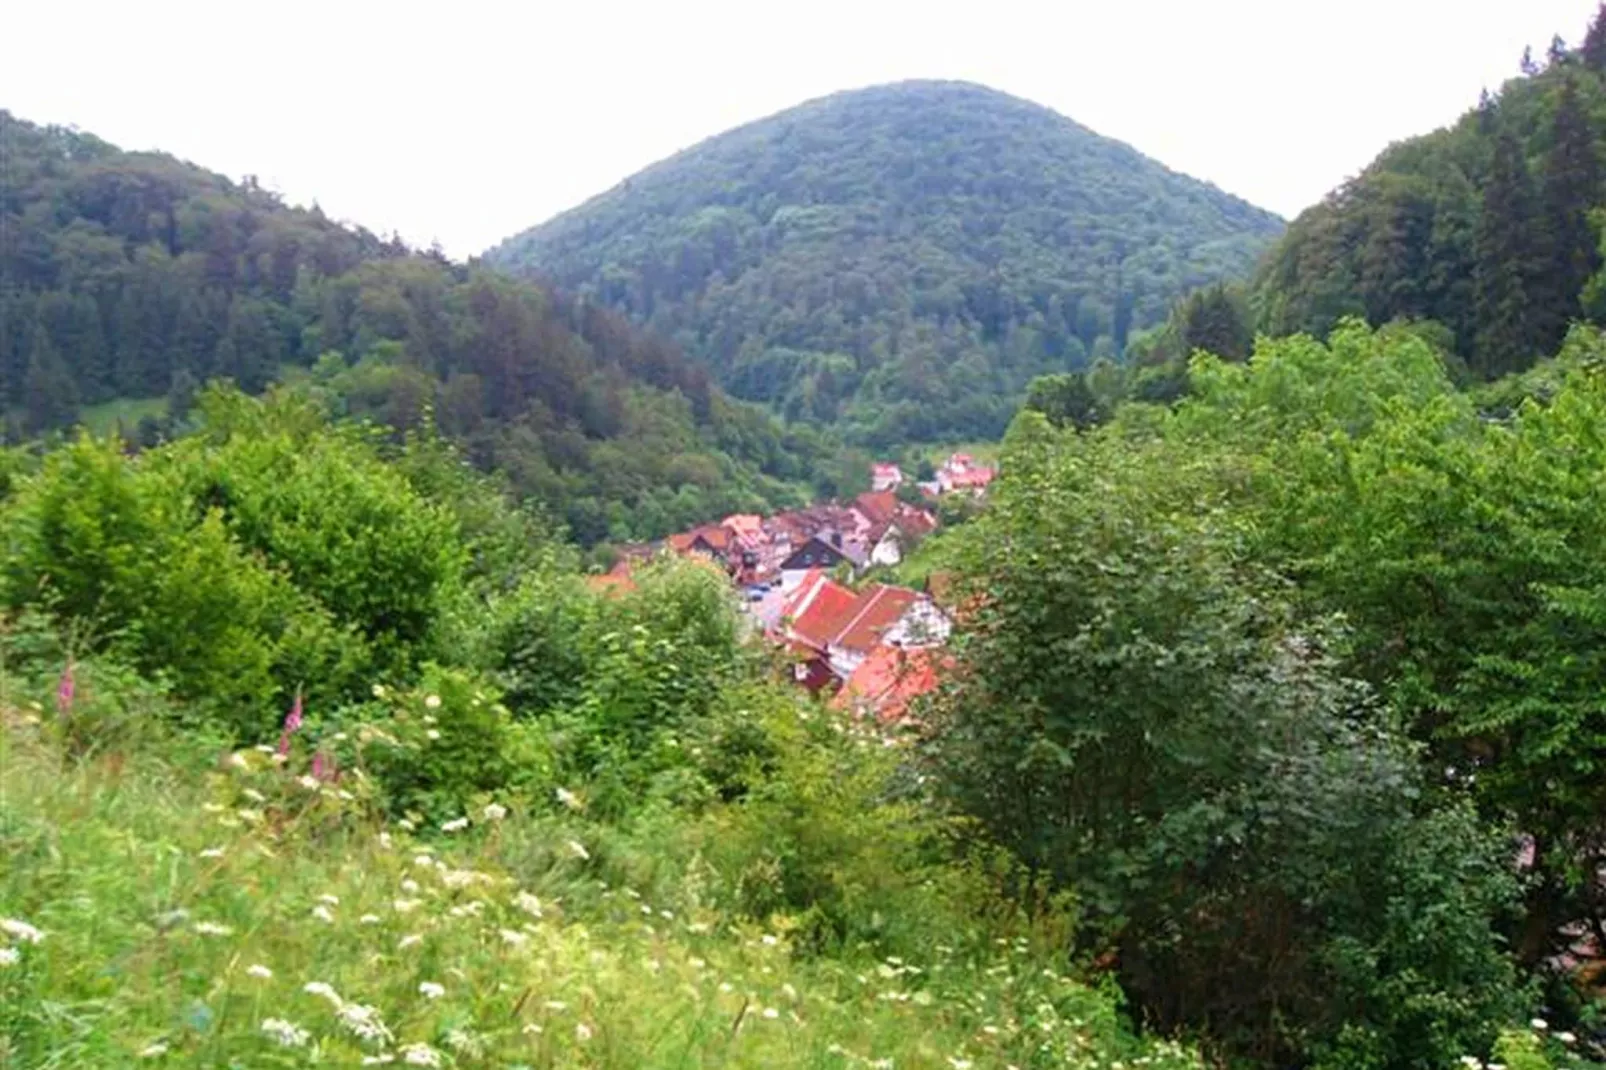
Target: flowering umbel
[(292, 721)]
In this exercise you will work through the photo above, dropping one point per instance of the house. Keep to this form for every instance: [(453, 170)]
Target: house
[(883, 614), (891, 526), (810, 618), (960, 472), (616, 581), (710, 540), (885, 476), (823, 551), (887, 682)]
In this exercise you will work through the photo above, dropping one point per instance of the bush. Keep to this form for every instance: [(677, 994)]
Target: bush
[(448, 745)]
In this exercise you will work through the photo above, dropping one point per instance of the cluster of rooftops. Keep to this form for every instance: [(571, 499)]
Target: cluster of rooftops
[(874, 648)]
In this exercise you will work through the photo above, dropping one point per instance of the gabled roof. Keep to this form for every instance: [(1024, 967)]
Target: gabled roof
[(878, 507), (887, 681), (875, 611), (713, 536), (816, 607)]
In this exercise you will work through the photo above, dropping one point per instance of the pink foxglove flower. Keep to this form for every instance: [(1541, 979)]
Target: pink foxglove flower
[(65, 690), (324, 767), (292, 721)]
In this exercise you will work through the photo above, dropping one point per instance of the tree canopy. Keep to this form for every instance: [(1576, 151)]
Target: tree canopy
[(135, 275), (900, 260)]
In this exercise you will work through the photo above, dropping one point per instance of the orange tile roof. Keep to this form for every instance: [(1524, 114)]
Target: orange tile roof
[(816, 607), (876, 610), (888, 680), (878, 507)]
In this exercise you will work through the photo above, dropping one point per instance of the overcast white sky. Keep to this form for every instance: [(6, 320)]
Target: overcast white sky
[(464, 122)]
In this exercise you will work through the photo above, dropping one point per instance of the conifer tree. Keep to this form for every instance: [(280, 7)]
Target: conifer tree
[(1594, 47), (1505, 339), (49, 394), (1572, 183)]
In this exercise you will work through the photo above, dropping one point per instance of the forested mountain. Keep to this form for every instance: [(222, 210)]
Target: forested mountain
[(137, 275), (1484, 227), (902, 259)]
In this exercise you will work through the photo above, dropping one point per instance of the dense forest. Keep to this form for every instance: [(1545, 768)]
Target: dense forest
[(899, 260), (134, 275), (1487, 228)]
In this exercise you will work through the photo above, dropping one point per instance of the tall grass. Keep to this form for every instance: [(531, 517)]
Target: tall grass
[(228, 910)]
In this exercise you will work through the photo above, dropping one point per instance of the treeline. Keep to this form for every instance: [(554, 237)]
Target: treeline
[(1297, 684), (132, 275), (899, 261), (1489, 228)]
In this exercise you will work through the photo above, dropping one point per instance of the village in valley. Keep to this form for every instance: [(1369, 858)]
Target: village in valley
[(805, 582)]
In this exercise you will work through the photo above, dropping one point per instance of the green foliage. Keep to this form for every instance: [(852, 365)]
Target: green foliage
[(448, 744), (135, 276), (900, 260), (1482, 226), (1142, 716)]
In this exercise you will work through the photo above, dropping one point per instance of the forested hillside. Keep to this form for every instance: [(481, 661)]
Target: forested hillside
[(1487, 227), (901, 259), (134, 275)]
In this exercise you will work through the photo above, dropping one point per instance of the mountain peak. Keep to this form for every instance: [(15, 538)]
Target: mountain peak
[(901, 258)]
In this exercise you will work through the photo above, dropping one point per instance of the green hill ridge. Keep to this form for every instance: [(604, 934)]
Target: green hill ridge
[(902, 259)]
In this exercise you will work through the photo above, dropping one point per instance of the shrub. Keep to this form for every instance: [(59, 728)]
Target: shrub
[(449, 744)]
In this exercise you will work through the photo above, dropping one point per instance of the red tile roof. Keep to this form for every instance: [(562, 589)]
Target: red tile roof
[(887, 681), (878, 507), (876, 610), (816, 608)]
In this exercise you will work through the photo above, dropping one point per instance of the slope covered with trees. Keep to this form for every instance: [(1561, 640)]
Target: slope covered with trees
[(137, 275), (1484, 227), (902, 259)]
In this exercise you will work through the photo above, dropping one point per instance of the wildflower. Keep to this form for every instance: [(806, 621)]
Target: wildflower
[(20, 930), (410, 940), (495, 812), (212, 852), (556, 1005), (238, 760), (407, 824), (410, 886), (9, 956), (457, 824), (532, 1030), (379, 691), (569, 799), (771, 1012), (1540, 1024), (959, 1064), (528, 903), (323, 914), (65, 690), (378, 1060), (423, 860), (578, 849), (384, 840), (458, 878), (332, 900), (433, 734), (363, 1022), (431, 989), (404, 906), (259, 970), (514, 937), (769, 940), (369, 919), (420, 1055), (310, 783), (292, 722), (212, 928), (324, 989), (463, 1042), (432, 701), (582, 1032), (156, 1049), (254, 795), (283, 1033), (1566, 1038)]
